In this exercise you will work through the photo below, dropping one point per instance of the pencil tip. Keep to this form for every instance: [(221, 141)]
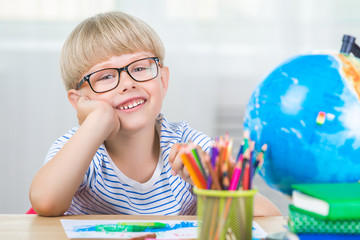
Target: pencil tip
[(246, 134)]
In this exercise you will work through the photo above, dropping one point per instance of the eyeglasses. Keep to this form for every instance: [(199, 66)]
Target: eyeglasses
[(107, 79)]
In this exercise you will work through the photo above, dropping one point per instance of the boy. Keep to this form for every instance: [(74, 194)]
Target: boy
[(117, 161)]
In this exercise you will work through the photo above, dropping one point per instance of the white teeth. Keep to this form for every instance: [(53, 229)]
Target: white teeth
[(133, 104)]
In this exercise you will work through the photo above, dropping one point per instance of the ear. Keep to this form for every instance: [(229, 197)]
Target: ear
[(73, 97), (164, 80)]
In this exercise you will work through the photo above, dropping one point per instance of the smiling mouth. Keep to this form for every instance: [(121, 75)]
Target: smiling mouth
[(132, 104)]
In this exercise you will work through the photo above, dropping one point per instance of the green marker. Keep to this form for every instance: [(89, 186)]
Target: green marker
[(107, 228), (130, 227), (141, 226), (144, 224)]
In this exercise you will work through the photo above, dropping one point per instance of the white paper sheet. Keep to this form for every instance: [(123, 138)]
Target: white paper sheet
[(257, 231), (87, 229), (175, 229)]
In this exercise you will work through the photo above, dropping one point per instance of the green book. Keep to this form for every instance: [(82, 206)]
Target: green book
[(332, 201), (301, 221)]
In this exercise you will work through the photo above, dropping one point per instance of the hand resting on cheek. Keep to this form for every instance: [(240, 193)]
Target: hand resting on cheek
[(101, 110)]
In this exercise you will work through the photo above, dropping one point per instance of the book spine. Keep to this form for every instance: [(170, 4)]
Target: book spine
[(315, 236)]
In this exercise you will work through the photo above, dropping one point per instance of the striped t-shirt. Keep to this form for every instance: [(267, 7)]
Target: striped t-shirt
[(106, 190)]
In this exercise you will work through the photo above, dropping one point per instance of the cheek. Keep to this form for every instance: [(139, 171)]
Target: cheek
[(102, 97), (161, 90), (99, 96), (86, 91), (153, 88)]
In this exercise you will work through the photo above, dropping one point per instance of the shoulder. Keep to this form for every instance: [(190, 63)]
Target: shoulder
[(66, 136), (171, 128), (59, 143), (182, 132)]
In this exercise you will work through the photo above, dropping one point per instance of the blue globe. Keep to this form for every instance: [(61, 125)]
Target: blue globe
[(308, 113)]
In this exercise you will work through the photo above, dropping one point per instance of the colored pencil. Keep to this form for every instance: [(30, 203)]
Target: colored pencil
[(194, 178), (241, 151), (225, 176), (251, 163), (244, 160), (235, 177), (246, 137), (198, 161), (246, 176), (213, 174), (197, 170)]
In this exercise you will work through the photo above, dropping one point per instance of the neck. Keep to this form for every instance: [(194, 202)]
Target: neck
[(136, 154)]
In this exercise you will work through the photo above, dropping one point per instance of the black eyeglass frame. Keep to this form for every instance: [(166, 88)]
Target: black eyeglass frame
[(86, 78)]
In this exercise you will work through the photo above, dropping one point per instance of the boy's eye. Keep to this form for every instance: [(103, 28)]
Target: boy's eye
[(139, 69), (104, 75)]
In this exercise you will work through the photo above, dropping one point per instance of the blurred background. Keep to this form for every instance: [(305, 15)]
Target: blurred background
[(217, 52)]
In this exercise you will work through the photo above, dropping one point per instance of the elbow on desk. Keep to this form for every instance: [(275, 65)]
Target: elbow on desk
[(46, 206), (47, 209), (263, 207)]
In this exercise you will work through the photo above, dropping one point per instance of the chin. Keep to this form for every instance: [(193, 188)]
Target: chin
[(134, 121), (134, 125)]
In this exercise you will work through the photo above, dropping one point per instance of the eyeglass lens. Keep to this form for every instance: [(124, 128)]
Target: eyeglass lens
[(107, 79)]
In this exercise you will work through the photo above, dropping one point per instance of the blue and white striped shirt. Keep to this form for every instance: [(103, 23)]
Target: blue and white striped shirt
[(106, 190)]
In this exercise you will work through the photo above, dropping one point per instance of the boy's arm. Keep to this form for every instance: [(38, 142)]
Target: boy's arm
[(54, 186), (264, 207)]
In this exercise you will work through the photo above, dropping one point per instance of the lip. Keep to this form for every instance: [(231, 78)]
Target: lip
[(131, 104)]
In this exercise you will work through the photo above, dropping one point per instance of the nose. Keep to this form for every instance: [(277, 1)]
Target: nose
[(126, 82)]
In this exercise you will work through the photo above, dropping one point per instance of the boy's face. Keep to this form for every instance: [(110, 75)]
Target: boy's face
[(135, 103)]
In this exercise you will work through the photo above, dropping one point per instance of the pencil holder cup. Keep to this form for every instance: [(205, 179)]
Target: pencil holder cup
[(224, 214)]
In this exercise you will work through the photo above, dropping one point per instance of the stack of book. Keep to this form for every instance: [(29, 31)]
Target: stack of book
[(325, 211)]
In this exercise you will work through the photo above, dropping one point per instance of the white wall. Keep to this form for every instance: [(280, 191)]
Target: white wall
[(217, 52)]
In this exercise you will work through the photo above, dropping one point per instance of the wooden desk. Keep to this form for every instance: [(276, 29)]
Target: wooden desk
[(33, 227)]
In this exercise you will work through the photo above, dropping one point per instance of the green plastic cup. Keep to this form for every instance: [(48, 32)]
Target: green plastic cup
[(224, 214)]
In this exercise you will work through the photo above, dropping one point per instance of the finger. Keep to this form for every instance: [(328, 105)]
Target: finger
[(173, 152), (191, 145), (184, 174), (82, 108), (83, 99), (200, 152), (177, 163)]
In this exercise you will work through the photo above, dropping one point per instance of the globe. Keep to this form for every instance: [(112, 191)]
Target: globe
[(307, 111)]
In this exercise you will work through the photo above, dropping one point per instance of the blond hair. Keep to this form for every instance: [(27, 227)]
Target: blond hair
[(102, 36)]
